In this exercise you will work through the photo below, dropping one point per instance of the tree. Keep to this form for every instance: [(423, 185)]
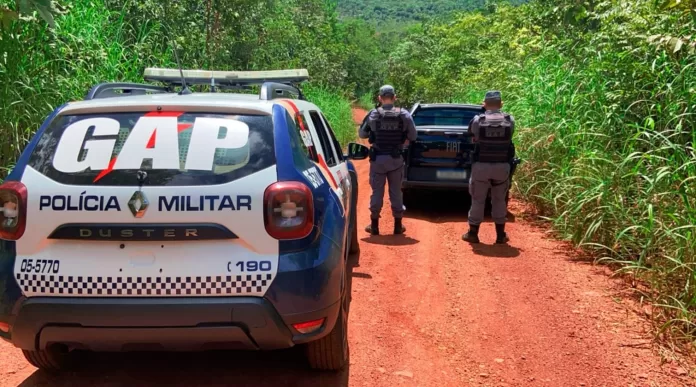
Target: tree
[(45, 8)]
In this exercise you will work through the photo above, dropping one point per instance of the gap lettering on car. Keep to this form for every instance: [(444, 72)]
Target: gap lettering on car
[(154, 136)]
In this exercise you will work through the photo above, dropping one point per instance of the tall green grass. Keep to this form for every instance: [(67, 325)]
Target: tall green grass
[(43, 68), (366, 101), (617, 177), (336, 109)]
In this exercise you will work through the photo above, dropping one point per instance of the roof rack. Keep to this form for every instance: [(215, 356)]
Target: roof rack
[(274, 83), (108, 90), (226, 78)]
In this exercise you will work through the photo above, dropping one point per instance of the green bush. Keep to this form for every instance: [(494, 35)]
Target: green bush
[(367, 101)]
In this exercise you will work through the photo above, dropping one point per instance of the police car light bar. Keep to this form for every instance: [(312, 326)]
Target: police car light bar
[(206, 77)]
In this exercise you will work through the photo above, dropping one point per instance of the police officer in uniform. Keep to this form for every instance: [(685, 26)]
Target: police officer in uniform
[(492, 132), (388, 129)]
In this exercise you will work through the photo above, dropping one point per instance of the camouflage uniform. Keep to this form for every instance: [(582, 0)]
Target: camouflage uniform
[(491, 172), (386, 168)]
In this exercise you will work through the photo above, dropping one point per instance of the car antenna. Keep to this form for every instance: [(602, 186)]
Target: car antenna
[(185, 89)]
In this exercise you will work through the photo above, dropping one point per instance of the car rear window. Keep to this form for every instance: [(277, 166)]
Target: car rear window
[(173, 149), (444, 116)]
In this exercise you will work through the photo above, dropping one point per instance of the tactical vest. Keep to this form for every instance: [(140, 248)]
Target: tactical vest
[(495, 138), (389, 135)]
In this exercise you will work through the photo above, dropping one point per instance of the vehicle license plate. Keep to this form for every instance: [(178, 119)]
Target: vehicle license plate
[(451, 175)]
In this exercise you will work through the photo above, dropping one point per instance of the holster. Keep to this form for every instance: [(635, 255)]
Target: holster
[(396, 153), (372, 154)]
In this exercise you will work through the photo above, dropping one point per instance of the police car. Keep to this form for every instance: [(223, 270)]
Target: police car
[(148, 219)]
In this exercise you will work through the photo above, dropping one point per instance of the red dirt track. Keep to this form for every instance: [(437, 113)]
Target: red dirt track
[(431, 310)]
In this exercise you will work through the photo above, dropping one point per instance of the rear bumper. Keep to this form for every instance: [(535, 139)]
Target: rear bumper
[(181, 324), (444, 185)]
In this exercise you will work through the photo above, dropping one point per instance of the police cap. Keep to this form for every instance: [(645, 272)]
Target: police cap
[(387, 91), (493, 96)]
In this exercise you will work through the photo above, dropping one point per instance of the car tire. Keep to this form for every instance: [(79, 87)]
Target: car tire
[(53, 359), (331, 353)]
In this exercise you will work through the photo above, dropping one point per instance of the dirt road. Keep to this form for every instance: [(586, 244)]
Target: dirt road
[(430, 310)]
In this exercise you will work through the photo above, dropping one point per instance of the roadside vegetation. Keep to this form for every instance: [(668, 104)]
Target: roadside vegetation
[(337, 109), (604, 96), (54, 52), (388, 14)]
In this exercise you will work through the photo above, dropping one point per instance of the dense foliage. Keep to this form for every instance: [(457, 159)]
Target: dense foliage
[(603, 93), (114, 40), (390, 14), (408, 10)]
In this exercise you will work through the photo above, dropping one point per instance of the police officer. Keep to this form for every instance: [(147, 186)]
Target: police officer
[(388, 128), (492, 132)]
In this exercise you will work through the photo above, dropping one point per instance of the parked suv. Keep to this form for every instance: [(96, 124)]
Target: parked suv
[(143, 218), (441, 156)]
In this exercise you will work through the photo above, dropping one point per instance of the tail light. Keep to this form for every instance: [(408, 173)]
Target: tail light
[(309, 326), (13, 210), (289, 210)]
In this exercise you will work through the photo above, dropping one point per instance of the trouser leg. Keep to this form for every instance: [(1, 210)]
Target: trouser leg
[(396, 197), (498, 205), (377, 181), (478, 189)]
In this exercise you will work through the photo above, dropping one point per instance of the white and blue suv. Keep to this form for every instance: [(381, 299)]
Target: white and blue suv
[(147, 219)]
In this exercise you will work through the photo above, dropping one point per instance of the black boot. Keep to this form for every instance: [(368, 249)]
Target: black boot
[(501, 236), (373, 228), (398, 227), (472, 235)]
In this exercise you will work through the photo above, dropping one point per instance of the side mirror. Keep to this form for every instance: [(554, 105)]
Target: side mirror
[(357, 151)]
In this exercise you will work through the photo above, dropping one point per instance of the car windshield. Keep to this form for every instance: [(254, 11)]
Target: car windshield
[(444, 116)]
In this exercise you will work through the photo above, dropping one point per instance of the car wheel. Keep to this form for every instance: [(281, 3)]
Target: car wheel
[(330, 353), (53, 359)]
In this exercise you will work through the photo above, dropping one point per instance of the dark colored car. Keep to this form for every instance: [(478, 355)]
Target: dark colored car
[(441, 156)]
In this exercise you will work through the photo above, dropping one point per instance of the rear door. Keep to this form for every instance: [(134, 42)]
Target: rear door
[(139, 204), (443, 150), (331, 159)]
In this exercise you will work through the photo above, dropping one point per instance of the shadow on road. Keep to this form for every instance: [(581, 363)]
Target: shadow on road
[(496, 251), (442, 207), (280, 368), (391, 240), (361, 275)]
